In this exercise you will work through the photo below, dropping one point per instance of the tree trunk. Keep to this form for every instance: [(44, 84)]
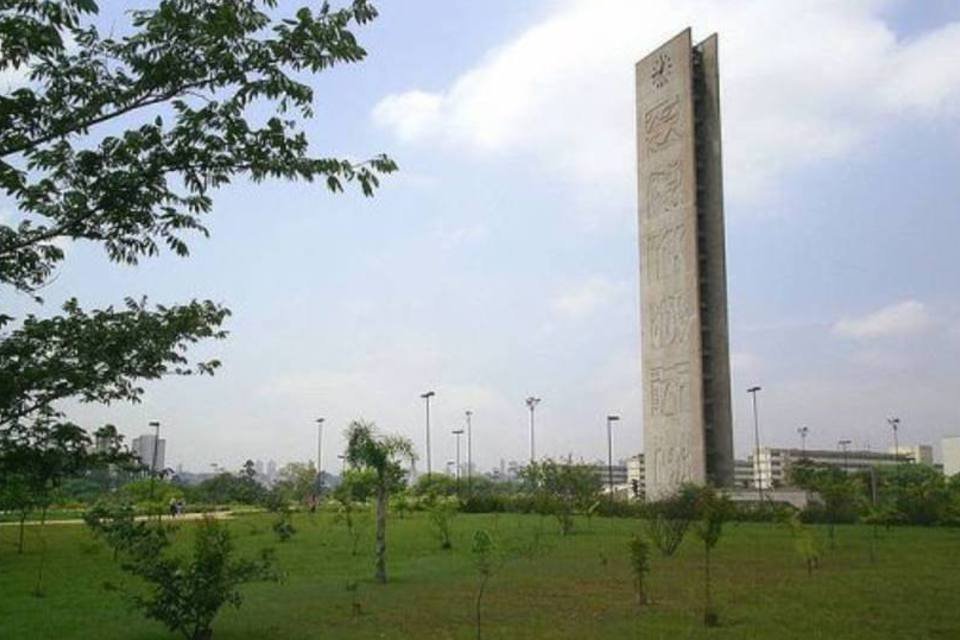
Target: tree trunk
[(38, 590), (23, 519), (483, 583), (709, 616), (381, 533)]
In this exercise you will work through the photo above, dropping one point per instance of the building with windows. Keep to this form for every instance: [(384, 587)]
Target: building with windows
[(146, 447), (604, 472), (743, 474), (772, 467)]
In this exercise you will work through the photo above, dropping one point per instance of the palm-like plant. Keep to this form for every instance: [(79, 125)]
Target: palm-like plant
[(366, 449)]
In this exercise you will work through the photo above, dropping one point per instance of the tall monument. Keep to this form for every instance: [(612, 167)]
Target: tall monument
[(687, 424)]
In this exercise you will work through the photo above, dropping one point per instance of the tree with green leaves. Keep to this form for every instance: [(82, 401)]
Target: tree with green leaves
[(441, 510), (37, 457), (187, 593), (562, 489), (122, 140), (713, 510), (296, 481), (669, 518), (384, 455)]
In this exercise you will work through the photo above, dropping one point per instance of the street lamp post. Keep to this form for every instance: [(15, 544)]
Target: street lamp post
[(843, 445), (895, 425), (610, 420), (532, 403), (426, 396), (756, 438), (469, 415), (803, 431), (458, 433)]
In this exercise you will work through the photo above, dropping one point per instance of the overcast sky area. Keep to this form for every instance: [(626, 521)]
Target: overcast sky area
[(502, 260)]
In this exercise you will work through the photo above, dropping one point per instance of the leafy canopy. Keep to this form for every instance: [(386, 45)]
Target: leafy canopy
[(122, 140)]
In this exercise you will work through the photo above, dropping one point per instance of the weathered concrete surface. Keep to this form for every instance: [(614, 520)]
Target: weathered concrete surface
[(685, 361)]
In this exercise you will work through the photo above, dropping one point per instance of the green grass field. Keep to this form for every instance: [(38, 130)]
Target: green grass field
[(577, 586)]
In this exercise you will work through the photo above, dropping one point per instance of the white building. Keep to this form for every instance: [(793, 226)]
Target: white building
[(743, 474), (145, 446), (636, 476), (951, 455), (921, 453), (772, 467)]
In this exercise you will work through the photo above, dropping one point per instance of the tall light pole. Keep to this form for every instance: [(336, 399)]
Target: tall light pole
[(426, 396), (458, 433), (532, 403), (320, 453), (610, 421), (756, 439), (843, 445), (803, 431), (469, 415), (895, 425)]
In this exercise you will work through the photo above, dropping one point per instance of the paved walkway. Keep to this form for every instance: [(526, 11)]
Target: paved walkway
[(219, 515)]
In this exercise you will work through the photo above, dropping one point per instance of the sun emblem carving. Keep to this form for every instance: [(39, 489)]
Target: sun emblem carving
[(662, 70)]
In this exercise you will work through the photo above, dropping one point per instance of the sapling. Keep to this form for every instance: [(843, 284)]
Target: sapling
[(713, 511), (639, 566), (484, 554)]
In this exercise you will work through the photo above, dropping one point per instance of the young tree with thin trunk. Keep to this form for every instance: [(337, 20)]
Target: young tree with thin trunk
[(484, 551), (384, 455), (712, 510), (640, 567)]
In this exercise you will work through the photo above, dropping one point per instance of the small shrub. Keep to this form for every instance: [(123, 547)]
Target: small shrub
[(441, 511), (186, 594), (639, 566), (284, 528), (669, 519)]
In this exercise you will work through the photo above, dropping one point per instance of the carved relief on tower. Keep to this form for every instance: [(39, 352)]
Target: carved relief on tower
[(662, 70), (669, 319), (670, 389), (664, 253), (665, 190), (672, 465), (662, 124)]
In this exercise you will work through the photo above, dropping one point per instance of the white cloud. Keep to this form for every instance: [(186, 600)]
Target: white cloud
[(904, 318), (801, 81), (587, 297), (454, 237)]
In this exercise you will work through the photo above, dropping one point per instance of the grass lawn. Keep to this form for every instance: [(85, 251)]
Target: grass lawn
[(577, 586)]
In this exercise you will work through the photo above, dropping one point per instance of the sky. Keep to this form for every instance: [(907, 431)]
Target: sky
[(502, 260)]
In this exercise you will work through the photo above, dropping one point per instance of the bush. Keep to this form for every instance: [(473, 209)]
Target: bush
[(186, 594), (668, 519)]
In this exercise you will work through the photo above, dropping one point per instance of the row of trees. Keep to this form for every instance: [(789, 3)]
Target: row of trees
[(915, 494)]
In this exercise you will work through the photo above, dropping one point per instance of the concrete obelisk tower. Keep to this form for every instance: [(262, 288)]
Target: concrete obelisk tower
[(688, 432)]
